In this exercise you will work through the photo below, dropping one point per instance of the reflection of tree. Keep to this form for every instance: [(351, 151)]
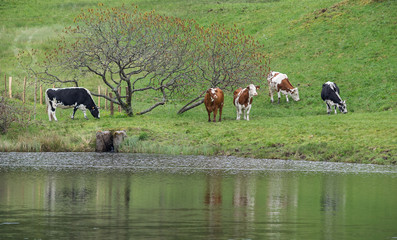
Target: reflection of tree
[(332, 200), (244, 203), (244, 191), (282, 202)]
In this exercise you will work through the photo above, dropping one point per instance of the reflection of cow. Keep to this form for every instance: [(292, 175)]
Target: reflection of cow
[(331, 97), (75, 97), (213, 101), (278, 82), (243, 99)]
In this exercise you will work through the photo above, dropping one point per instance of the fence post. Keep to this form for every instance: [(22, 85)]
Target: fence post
[(41, 95), (120, 95), (5, 85), (111, 105), (35, 96), (24, 90), (99, 98), (106, 101), (9, 87)]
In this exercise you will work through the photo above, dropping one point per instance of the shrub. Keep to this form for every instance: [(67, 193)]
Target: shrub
[(12, 113)]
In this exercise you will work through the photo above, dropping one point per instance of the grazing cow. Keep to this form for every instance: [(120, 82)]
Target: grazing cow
[(331, 97), (213, 101), (278, 82), (74, 97), (242, 99)]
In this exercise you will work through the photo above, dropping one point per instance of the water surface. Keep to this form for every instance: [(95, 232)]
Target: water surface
[(137, 196)]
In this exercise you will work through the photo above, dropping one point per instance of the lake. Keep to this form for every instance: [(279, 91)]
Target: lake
[(139, 196)]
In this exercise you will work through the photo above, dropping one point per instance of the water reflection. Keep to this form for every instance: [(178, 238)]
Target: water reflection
[(55, 196)]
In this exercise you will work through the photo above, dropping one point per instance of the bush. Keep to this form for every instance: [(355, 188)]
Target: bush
[(10, 113)]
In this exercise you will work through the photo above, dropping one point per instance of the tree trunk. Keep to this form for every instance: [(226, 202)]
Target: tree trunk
[(189, 106)]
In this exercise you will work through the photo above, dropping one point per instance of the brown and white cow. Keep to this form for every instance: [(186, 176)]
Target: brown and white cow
[(213, 101), (278, 82), (242, 99)]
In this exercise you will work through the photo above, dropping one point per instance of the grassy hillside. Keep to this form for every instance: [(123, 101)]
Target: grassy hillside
[(350, 42)]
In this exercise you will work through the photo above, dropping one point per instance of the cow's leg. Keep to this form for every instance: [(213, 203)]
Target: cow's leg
[(247, 112), (53, 116), (336, 112), (286, 95), (328, 108), (279, 96), (220, 113), (238, 113), (85, 115), (49, 112), (209, 115), (271, 94), (215, 110), (74, 112)]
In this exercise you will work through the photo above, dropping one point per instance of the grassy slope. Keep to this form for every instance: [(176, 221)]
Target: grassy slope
[(350, 42)]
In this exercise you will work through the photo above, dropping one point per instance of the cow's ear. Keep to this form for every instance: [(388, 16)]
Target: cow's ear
[(257, 87)]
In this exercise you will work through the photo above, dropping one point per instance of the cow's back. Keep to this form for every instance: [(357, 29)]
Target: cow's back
[(71, 96), (330, 91)]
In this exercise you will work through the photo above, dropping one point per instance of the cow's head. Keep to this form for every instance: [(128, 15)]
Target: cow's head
[(94, 111), (252, 90), (212, 92), (342, 107), (295, 94)]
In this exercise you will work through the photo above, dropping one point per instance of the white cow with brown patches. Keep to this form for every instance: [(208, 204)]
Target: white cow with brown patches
[(242, 99), (278, 82)]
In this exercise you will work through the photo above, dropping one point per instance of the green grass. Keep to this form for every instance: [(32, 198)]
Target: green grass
[(350, 42), (358, 137)]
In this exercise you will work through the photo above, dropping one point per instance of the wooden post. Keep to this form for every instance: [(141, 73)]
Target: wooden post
[(35, 96), (24, 90), (41, 95), (119, 104), (111, 105), (99, 98), (106, 101), (9, 87), (5, 84)]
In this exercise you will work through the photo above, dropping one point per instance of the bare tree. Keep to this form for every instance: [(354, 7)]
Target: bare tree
[(124, 48), (155, 54)]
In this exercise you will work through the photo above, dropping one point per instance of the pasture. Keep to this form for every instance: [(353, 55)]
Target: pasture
[(351, 43)]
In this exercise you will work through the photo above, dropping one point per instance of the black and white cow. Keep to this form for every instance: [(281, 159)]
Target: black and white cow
[(331, 97), (74, 97)]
